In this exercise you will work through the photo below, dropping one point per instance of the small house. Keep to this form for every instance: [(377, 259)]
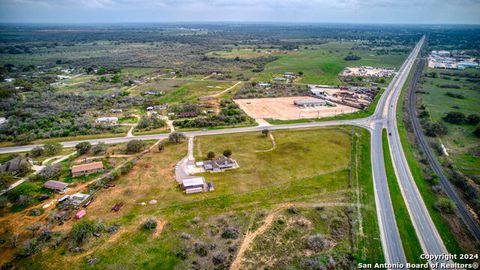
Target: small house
[(220, 164), (193, 185), (78, 198), (57, 186), (86, 169)]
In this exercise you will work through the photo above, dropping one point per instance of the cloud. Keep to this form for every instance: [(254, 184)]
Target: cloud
[(410, 11)]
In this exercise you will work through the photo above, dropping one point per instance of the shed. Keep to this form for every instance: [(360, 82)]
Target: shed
[(193, 185), (80, 214), (85, 169), (55, 185)]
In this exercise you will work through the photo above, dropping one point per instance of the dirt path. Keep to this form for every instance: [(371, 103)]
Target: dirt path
[(274, 145), (249, 237), (226, 90)]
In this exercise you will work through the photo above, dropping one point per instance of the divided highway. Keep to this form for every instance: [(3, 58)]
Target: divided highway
[(384, 117)]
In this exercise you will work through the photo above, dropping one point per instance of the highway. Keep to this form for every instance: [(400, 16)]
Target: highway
[(463, 211), (384, 117)]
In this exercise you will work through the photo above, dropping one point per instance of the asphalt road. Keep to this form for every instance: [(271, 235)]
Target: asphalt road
[(384, 116), (427, 233), (462, 209)]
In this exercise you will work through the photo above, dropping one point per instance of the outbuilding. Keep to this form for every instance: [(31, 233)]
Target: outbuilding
[(193, 185), (55, 185), (86, 169)]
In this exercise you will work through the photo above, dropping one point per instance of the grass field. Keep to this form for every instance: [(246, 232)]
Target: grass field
[(311, 167), (323, 64), (462, 146), (247, 53), (176, 91), (410, 242)]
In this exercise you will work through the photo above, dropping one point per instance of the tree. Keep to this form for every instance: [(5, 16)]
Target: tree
[(227, 152), (150, 224), (101, 71), (473, 119), (476, 132), (33, 228), (30, 247), (52, 148), (99, 148), (135, 146), (316, 242), (37, 151), (83, 147), (176, 137), (161, 147), (435, 129), (5, 179), (455, 117), (265, 132), (84, 229), (210, 155)]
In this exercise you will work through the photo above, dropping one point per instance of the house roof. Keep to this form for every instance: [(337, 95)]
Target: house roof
[(195, 181), (87, 167), (55, 185)]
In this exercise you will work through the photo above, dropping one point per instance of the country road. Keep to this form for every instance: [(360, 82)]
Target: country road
[(383, 117)]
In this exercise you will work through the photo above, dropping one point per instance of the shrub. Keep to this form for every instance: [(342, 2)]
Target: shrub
[(265, 132), (435, 129), (83, 147), (201, 249), (135, 146), (473, 119), (352, 57), (52, 148), (227, 153), (455, 95), (316, 242), (476, 132), (30, 248), (37, 151), (210, 155), (149, 224), (444, 205), (230, 233), (455, 117), (176, 137), (84, 229)]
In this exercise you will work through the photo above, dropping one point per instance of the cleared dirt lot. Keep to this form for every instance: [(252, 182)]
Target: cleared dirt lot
[(282, 108)]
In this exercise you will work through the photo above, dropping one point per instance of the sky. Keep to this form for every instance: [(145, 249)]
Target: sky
[(310, 11)]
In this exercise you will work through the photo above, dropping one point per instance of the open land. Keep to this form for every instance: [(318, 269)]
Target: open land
[(282, 108)]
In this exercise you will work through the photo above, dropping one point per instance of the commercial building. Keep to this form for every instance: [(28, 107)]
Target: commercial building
[(309, 103)]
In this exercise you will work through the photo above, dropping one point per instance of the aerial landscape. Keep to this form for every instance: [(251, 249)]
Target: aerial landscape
[(168, 135)]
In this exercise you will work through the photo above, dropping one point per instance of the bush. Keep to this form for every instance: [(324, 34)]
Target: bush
[(201, 249), (150, 224), (210, 155), (455, 95), (37, 151), (52, 148), (83, 147), (476, 132), (99, 148), (230, 233), (135, 146), (352, 57), (316, 242), (473, 119), (84, 229), (455, 117), (435, 129), (176, 137), (227, 153), (445, 205), (30, 248)]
